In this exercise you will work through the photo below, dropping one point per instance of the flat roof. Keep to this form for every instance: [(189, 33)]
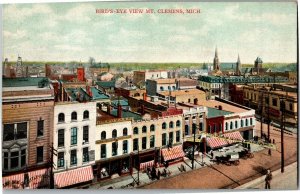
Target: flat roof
[(182, 92), (214, 112), (30, 82), (225, 106)]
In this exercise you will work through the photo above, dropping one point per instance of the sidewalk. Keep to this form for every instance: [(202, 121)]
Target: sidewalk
[(125, 182)]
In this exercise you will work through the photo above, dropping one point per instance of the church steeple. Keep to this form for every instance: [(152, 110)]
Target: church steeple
[(238, 66), (216, 60)]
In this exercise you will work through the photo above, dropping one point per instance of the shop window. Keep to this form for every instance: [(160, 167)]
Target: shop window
[(103, 151)]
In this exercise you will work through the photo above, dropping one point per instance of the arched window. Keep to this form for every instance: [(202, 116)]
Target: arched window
[(171, 124), (194, 127), (231, 125), (226, 126), (152, 128), (246, 122), (74, 116), (125, 132), (144, 129), (161, 88), (86, 114), (169, 88), (251, 121), (164, 125), (135, 130), (173, 87), (236, 124), (114, 133), (178, 123), (61, 117), (242, 123), (103, 135)]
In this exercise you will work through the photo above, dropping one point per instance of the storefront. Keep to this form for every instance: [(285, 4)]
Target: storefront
[(143, 159), (215, 143), (172, 154)]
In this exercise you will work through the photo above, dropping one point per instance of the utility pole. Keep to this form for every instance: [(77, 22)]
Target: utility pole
[(269, 116), (261, 114), (282, 108), (51, 165), (194, 148), (138, 177)]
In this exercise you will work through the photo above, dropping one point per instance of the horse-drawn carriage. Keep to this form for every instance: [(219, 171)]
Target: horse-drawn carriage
[(228, 159), (245, 153)]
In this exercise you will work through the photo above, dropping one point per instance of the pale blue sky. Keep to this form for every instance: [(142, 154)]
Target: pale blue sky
[(73, 31)]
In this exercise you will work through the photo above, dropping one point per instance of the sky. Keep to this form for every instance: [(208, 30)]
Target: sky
[(74, 32)]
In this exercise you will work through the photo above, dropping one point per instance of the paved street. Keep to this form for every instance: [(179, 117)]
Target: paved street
[(286, 180)]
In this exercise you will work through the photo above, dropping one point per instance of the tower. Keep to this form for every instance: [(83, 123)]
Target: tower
[(80, 74), (258, 63), (4, 68), (216, 61), (48, 70), (238, 66), (19, 70)]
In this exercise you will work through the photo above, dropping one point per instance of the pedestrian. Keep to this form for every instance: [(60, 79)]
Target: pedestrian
[(268, 179), (158, 175), (269, 152)]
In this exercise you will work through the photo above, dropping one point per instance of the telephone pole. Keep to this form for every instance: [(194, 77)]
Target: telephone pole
[(261, 114), (194, 149), (51, 165), (282, 108)]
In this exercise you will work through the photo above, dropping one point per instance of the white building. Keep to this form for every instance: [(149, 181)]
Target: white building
[(74, 134)]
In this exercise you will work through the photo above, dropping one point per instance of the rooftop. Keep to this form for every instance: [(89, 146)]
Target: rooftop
[(106, 84), (242, 79), (26, 81), (214, 112), (127, 114), (182, 92), (226, 107), (165, 81), (98, 95)]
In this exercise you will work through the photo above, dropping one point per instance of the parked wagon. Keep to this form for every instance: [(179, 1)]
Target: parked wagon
[(246, 154), (228, 159)]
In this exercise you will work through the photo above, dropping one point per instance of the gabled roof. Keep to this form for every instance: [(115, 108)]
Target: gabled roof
[(122, 102), (98, 95)]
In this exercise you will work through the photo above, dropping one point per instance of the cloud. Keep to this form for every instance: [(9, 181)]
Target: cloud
[(179, 38), (19, 34)]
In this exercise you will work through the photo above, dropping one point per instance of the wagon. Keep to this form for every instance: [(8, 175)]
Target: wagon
[(228, 159), (246, 154)]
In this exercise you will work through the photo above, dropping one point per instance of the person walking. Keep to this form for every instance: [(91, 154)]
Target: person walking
[(268, 179)]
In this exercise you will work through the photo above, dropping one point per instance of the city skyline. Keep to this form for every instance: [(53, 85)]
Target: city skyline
[(50, 32)]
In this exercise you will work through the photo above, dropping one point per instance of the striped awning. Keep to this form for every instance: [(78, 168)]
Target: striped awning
[(13, 181), (39, 179), (72, 177), (144, 165), (172, 153), (234, 136), (215, 142)]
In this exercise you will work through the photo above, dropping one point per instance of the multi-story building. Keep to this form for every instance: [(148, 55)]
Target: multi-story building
[(184, 96), (27, 135), (141, 76)]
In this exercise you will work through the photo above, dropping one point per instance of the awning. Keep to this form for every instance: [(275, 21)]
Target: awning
[(39, 178), (172, 153), (13, 181), (215, 142), (144, 165), (72, 177), (234, 136)]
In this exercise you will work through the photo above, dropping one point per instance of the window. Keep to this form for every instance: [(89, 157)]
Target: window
[(85, 154), (60, 159), (164, 139), (114, 149), (135, 144), (144, 129), (236, 124), (103, 151), (125, 132), (242, 123), (5, 163), (194, 127), (61, 117), (246, 122), (74, 116), (152, 141), (186, 130), (103, 135), (23, 157), (226, 126), (170, 138), (73, 136), (114, 133), (201, 126), (164, 125), (86, 114), (61, 138), (291, 106), (40, 128), (125, 146), (85, 134), (161, 88), (274, 102), (178, 123), (152, 128), (177, 136), (231, 125), (171, 124), (39, 154), (136, 130), (14, 131), (267, 100), (73, 157), (14, 159), (251, 121), (144, 142)]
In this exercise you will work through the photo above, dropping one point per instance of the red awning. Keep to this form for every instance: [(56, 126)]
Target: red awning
[(172, 153), (215, 142), (72, 177), (234, 136), (144, 165), (13, 181), (39, 179)]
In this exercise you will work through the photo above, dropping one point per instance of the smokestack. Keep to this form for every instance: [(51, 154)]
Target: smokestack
[(144, 96), (119, 110)]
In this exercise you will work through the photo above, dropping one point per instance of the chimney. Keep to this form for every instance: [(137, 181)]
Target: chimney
[(80, 74), (220, 107), (119, 111), (144, 96), (143, 109), (88, 90)]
